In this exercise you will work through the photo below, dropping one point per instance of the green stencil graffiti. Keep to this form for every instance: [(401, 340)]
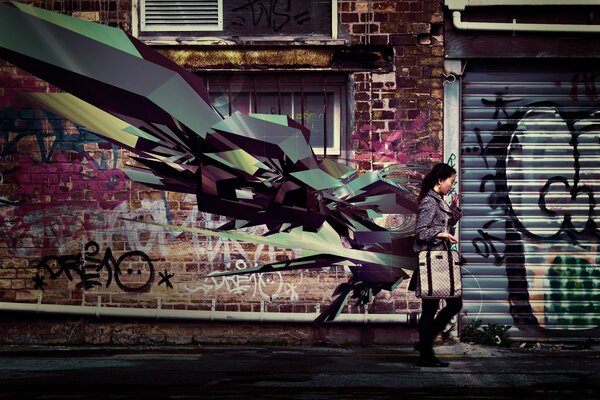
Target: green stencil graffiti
[(575, 293)]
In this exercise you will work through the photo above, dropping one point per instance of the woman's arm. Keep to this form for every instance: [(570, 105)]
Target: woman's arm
[(446, 235), (455, 210), (457, 213), (425, 229)]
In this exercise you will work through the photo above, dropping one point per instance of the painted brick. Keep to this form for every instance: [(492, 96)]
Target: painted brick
[(383, 114), (437, 51), (437, 18), (380, 125), (26, 295), (362, 7), (389, 77), (384, 101)]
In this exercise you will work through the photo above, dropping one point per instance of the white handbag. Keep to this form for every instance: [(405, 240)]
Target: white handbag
[(439, 275)]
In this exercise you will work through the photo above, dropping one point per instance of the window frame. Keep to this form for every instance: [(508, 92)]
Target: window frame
[(307, 83), (210, 36)]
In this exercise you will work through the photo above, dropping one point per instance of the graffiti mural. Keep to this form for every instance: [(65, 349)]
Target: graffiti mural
[(532, 181), (400, 146), (255, 169), (133, 271), (47, 173), (264, 286), (48, 209)]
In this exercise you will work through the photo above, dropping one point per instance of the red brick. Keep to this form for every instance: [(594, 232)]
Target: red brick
[(416, 6), (362, 96), (382, 17), (379, 39), (349, 17)]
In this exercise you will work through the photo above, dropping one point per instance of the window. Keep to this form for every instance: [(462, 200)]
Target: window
[(181, 15), (318, 101)]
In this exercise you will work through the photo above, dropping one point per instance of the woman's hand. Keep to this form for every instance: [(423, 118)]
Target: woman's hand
[(448, 236), (452, 239), (455, 200)]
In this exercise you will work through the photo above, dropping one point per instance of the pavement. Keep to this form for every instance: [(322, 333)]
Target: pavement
[(270, 372)]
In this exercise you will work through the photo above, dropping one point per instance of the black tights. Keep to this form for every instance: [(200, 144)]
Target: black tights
[(430, 325)]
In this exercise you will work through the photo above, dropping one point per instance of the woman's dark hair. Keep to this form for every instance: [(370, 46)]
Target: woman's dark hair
[(439, 171)]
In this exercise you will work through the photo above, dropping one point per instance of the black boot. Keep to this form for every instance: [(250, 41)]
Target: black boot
[(428, 359)]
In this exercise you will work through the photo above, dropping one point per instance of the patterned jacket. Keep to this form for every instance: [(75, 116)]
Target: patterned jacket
[(434, 216)]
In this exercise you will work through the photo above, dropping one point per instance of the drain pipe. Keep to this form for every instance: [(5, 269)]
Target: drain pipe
[(456, 6), (233, 316)]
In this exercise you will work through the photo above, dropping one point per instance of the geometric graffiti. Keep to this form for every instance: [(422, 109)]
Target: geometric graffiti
[(132, 271), (255, 169)]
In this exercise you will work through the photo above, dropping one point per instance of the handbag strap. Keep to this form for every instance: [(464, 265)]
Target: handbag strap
[(447, 244), (451, 270), (429, 277)]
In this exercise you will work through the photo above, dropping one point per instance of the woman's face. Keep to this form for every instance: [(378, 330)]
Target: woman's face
[(446, 184)]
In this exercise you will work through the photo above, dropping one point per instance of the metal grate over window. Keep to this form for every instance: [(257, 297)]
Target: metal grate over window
[(317, 101), (181, 15)]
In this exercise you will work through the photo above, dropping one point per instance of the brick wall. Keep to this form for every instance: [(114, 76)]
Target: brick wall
[(398, 115), (64, 202), (109, 12)]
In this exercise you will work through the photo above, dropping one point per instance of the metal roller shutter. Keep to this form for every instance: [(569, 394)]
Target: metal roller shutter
[(530, 180)]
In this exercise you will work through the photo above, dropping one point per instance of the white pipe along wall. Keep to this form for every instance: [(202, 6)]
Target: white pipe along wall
[(212, 315), (456, 6)]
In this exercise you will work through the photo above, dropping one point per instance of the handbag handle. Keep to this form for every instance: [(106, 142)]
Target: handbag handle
[(444, 241)]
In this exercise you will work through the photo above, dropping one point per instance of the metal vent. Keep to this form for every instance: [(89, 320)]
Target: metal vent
[(181, 15)]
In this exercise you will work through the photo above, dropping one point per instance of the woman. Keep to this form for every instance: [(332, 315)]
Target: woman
[(434, 231)]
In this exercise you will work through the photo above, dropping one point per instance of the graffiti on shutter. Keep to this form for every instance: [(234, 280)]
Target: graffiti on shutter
[(530, 182)]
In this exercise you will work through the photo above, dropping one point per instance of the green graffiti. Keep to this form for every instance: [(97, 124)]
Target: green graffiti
[(452, 160), (573, 299)]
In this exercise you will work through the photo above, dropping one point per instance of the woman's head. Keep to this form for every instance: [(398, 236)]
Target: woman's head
[(440, 178)]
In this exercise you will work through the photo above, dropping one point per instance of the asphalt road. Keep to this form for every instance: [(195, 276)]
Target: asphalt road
[(234, 372)]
